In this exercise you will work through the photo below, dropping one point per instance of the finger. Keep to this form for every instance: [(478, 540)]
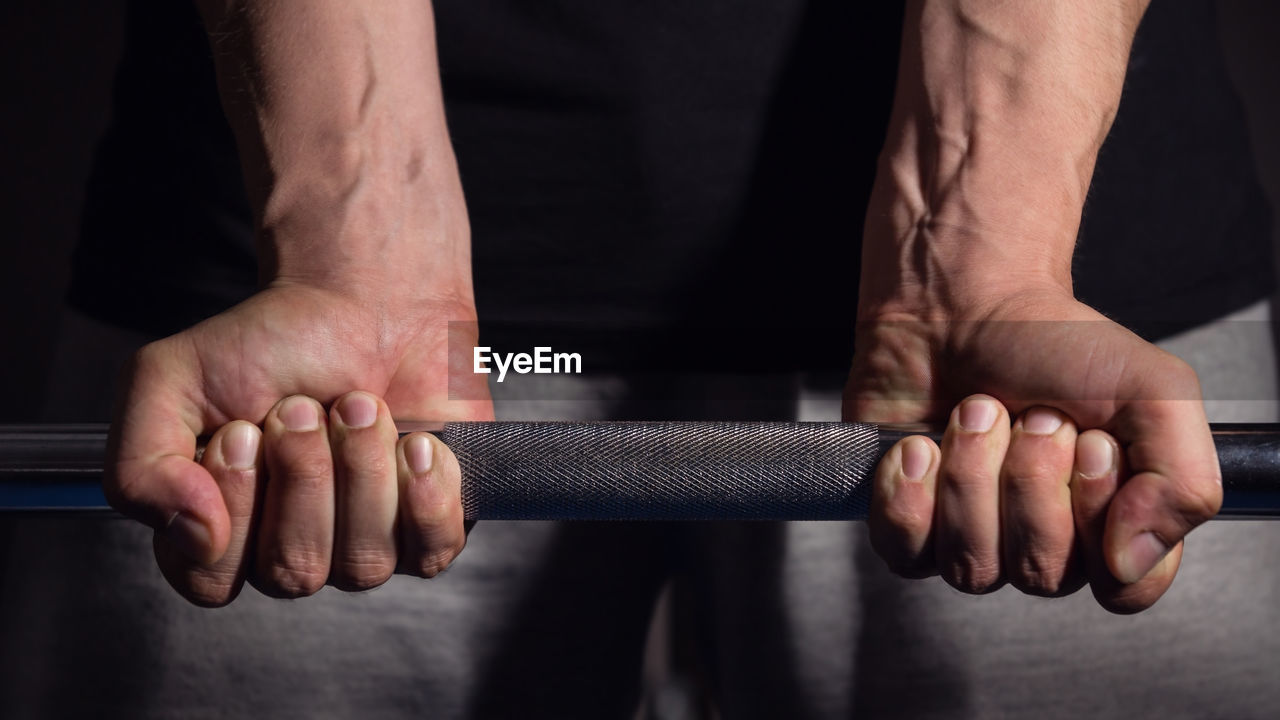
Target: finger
[(295, 539), (1099, 467), (363, 438), (1175, 486), (233, 458), (431, 525), (1037, 526), (967, 521), (151, 475), (902, 506)]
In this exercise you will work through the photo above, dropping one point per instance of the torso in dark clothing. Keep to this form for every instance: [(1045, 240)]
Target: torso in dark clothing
[(696, 171)]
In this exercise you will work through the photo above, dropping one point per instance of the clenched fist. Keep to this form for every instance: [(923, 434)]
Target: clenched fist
[(1083, 455), (325, 492)]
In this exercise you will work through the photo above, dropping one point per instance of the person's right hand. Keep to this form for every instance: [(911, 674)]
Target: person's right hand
[(324, 492)]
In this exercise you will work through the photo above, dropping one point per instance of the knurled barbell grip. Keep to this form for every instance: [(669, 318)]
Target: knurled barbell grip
[(738, 470), (629, 470), (665, 470)]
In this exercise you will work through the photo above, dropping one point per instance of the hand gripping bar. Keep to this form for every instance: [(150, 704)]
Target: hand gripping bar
[(627, 470)]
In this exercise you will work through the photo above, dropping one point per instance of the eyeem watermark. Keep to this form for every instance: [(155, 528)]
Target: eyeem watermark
[(542, 362)]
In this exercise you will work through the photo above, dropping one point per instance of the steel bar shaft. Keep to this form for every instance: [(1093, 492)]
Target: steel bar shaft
[(626, 470)]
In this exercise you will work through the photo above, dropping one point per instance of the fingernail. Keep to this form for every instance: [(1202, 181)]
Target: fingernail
[(188, 535), (1041, 421), (915, 458), (299, 415), (417, 451), (357, 410), (240, 447), (1142, 554), (1094, 455), (978, 415)]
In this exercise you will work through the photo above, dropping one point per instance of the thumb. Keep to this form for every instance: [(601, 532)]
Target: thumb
[(151, 475), (1176, 483)]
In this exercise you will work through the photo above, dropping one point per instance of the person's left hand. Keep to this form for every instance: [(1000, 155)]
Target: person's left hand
[(1107, 464)]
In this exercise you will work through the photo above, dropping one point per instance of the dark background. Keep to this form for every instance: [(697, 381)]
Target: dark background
[(56, 68)]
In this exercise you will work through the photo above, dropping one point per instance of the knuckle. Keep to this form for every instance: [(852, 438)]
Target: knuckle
[(1169, 377), (904, 518), (308, 479), (1200, 502), (285, 582), (1180, 376), (967, 476), (353, 576), (302, 468), (121, 490), (130, 493), (293, 575), (357, 570), (972, 574), (1038, 574), (1035, 457), (147, 358), (211, 593), (1136, 501), (433, 511), (433, 562), (362, 462), (1033, 475)]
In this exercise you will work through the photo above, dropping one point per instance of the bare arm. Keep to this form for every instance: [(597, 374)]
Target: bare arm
[(364, 254), (1000, 111), (1074, 450), (338, 113)]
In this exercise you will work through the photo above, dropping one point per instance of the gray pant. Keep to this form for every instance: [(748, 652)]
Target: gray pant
[(542, 619)]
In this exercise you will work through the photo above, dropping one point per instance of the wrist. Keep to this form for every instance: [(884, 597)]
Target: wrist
[(405, 266), (939, 247), (354, 226), (942, 274), (989, 154), (340, 123)]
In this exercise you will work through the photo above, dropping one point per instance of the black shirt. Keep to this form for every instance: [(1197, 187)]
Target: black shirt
[(648, 175)]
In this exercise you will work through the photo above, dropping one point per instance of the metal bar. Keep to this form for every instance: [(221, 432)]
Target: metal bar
[(625, 470)]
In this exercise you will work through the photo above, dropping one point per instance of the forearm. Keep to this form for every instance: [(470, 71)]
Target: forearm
[(338, 114), (1000, 111)]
